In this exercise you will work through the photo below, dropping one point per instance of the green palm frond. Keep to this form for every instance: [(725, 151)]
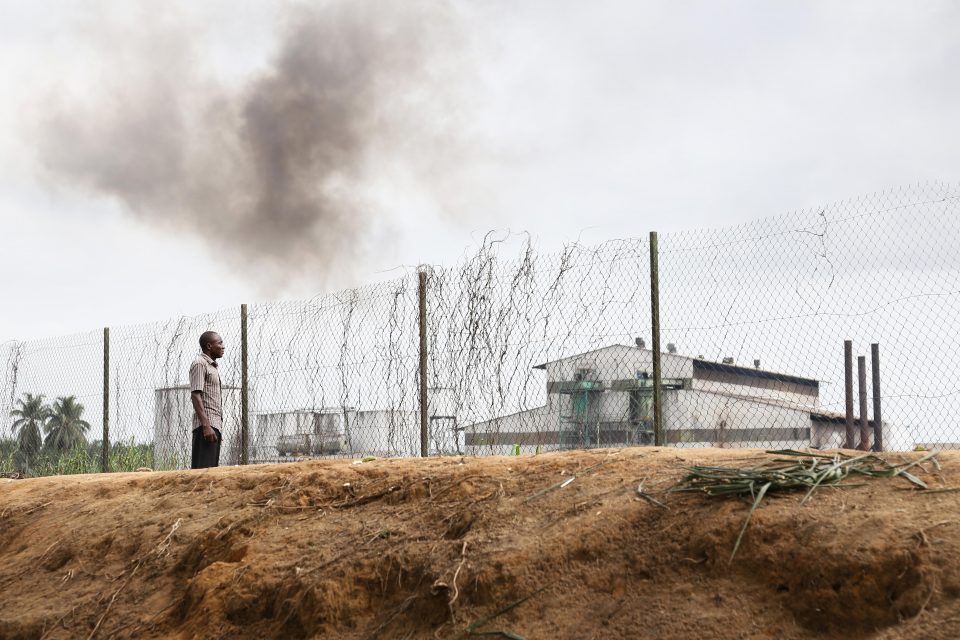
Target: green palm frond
[(65, 428), (31, 413)]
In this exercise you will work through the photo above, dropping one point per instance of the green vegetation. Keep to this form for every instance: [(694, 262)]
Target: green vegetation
[(65, 427), (31, 413), (123, 456), (8, 448), (65, 449)]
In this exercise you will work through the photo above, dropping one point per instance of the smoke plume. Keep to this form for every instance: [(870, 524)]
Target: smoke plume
[(270, 172)]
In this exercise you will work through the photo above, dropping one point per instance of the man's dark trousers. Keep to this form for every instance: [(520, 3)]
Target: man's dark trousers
[(205, 454)]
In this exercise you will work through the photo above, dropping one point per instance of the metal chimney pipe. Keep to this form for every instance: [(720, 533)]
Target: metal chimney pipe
[(864, 423), (877, 418), (848, 388)]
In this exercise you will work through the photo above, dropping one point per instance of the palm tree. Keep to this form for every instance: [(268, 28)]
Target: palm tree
[(64, 427), (30, 415)]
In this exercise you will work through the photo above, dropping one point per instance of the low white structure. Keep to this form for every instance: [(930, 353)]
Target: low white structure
[(301, 433), (604, 398), (173, 425), (386, 433), (334, 431)]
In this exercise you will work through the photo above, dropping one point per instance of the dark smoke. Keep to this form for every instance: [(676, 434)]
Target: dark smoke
[(270, 174)]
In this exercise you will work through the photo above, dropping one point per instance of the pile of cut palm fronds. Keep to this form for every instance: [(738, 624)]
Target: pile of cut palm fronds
[(794, 471)]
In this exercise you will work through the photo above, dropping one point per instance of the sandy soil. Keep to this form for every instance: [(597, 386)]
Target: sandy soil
[(453, 548)]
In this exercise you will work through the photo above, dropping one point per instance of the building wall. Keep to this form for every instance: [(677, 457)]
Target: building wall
[(382, 433), (534, 430), (782, 393), (269, 428), (702, 418), (614, 406), (691, 418), (896, 437), (694, 406), (697, 416), (385, 433)]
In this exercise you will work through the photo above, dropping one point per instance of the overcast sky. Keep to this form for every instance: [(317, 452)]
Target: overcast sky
[(121, 129)]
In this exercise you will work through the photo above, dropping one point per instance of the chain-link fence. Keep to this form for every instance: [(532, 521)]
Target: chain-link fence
[(528, 353)]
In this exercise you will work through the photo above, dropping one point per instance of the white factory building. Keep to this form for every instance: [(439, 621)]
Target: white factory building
[(604, 398)]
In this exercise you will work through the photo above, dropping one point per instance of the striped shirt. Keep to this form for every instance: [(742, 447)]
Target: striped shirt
[(205, 378)]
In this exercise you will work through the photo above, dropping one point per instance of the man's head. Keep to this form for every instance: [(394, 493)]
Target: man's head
[(211, 344)]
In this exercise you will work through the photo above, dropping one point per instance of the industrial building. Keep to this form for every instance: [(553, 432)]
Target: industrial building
[(604, 398), (300, 433), (347, 431), (337, 431)]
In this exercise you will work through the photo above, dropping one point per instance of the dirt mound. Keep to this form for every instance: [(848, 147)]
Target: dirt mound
[(551, 546)]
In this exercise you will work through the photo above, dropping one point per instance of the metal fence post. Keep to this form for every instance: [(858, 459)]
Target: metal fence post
[(105, 445), (848, 389), (877, 418), (424, 424), (864, 416), (244, 390), (658, 438)]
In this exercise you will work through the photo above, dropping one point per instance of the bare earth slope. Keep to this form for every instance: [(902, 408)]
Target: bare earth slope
[(432, 548)]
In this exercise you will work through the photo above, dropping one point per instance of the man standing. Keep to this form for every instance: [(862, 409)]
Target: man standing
[(207, 405)]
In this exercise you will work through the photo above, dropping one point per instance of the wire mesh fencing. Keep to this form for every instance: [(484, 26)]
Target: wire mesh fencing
[(773, 302), (51, 388), (336, 375), (730, 337), (149, 391), (521, 355), (749, 347)]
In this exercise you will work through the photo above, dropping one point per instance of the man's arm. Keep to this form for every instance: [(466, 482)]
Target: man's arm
[(198, 374), (208, 433)]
